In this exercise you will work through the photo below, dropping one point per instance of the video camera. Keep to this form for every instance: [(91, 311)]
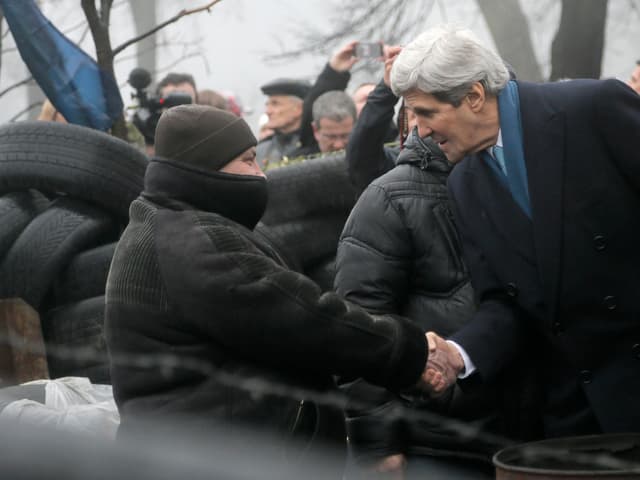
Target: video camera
[(150, 108)]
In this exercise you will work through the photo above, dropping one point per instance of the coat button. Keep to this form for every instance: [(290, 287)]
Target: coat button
[(512, 290), (610, 302), (599, 242), (585, 376), (635, 350)]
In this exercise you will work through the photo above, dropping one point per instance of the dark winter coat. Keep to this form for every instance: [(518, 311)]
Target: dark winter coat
[(399, 253), (203, 289), (271, 149), (367, 155), (567, 277)]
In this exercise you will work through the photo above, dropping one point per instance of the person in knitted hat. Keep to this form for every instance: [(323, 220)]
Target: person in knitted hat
[(193, 285)]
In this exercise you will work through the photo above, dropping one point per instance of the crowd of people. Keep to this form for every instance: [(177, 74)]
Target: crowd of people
[(488, 273)]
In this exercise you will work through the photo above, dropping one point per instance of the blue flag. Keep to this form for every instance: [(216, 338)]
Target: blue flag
[(71, 79)]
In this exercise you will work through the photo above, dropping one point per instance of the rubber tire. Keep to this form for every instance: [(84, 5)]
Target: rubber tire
[(312, 187), (78, 330), (86, 275), (49, 242), (311, 239), (55, 157), (17, 209)]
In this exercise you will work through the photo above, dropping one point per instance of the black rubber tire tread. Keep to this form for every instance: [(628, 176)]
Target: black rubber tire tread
[(17, 209), (312, 187), (47, 245), (323, 273), (55, 157), (75, 341), (311, 239), (86, 275)]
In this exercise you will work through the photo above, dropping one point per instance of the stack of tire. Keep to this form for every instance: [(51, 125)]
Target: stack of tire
[(309, 202), (65, 192)]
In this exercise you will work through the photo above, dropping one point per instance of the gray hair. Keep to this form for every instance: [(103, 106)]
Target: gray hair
[(335, 105), (445, 62)]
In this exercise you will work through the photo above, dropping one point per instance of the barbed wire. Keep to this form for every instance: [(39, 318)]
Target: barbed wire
[(166, 363)]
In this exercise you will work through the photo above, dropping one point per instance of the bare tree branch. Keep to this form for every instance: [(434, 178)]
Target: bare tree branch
[(25, 110), (99, 26), (83, 35), (15, 85), (389, 21), (105, 11), (175, 18), (166, 68), (171, 43), (100, 32)]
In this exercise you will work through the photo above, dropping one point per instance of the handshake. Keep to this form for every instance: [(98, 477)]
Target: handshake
[(443, 365)]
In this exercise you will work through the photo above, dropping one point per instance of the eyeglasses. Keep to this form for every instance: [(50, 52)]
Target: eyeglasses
[(334, 137)]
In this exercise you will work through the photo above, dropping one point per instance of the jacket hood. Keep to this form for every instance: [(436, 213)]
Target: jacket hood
[(424, 153)]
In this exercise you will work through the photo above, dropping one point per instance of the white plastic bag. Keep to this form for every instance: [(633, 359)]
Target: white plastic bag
[(72, 404)]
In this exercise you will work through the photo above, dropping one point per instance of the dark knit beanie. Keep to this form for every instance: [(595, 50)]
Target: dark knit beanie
[(202, 136)]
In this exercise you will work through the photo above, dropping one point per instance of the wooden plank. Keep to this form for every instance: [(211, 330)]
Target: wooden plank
[(22, 351)]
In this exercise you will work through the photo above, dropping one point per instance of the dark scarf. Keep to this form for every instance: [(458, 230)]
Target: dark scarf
[(511, 126), (241, 198)]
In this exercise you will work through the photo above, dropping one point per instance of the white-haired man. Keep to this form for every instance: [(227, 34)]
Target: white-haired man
[(546, 196)]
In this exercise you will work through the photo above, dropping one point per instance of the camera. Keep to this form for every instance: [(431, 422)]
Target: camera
[(151, 107), (368, 50)]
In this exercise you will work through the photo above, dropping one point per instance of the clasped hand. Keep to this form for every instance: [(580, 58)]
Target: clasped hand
[(443, 365)]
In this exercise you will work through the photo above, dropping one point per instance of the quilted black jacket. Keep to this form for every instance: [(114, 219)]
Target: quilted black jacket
[(399, 253)]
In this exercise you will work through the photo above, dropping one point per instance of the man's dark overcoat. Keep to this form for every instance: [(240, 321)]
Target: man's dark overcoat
[(569, 278)]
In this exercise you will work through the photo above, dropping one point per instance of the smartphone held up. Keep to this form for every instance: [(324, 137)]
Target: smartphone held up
[(368, 50)]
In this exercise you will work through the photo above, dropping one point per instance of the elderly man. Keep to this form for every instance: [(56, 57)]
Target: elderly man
[(546, 196), (284, 111), (190, 279)]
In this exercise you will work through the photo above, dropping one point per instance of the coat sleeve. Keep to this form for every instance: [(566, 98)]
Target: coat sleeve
[(367, 158), (374, 257), (244, 301), (496, 333), (617, 112)]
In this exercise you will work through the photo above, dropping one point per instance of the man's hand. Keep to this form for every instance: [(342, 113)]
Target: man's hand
[(443, 366), (390, 54), (344, 58)]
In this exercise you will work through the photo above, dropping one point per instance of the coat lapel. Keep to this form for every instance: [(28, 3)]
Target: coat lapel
[(543, 131)]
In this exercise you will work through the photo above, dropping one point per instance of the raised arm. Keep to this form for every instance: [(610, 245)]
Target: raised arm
[(335, 76), (367, 157)]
